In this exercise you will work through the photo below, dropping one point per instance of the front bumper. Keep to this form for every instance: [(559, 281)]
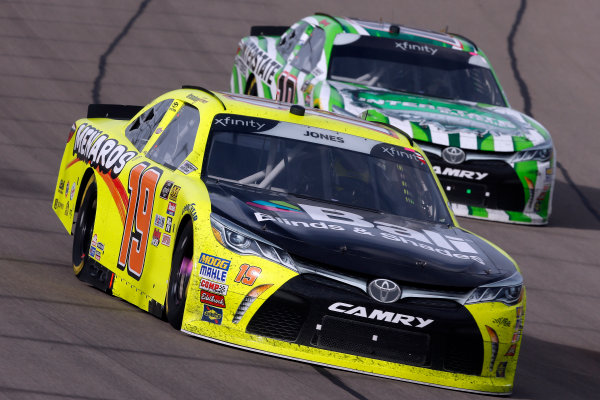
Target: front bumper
[(489, 186), (322, 321)]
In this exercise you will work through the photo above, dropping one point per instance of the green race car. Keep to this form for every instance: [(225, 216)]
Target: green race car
[(494, 162)]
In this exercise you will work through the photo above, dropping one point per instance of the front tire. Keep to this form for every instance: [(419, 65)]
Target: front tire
[(84, 227), (181, 270)]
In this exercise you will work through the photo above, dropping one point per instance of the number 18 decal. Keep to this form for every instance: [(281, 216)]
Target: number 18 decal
[(142, 188)]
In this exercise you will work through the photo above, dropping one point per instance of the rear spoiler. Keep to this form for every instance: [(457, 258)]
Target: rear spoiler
[(268, 30), (112, 111)]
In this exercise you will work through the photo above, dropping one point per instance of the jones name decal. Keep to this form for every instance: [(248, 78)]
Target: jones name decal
[(97, 149)]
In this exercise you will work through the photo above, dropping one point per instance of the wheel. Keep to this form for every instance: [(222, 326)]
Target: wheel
[(181, 270), (251, 87), (82, 236)]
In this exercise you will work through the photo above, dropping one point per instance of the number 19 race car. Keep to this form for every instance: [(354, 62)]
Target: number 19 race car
[(291, 232), (494, 162)]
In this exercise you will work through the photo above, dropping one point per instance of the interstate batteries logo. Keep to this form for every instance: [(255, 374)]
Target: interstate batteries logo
[(213, 268)]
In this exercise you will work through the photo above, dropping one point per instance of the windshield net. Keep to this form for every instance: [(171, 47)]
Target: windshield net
[(324, 165), (415, 68)]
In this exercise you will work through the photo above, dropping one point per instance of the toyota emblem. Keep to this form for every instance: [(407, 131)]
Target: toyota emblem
[(453, 155), (384, 291)]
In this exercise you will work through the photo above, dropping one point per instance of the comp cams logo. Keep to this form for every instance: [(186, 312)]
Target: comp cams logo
[(97, 149)]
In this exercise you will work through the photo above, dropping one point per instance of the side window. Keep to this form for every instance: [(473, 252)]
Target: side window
[(177, 140), (309, 55), (289, 39), (141, 129)]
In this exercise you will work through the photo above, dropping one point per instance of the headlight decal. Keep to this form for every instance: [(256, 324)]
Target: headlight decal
[(248, 300), (517, 333), (495, 343)]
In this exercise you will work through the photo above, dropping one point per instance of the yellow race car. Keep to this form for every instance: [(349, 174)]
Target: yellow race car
[(292, 232)]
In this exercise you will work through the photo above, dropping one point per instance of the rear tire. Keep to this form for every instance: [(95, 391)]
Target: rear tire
[(84, 227), (181, 270)]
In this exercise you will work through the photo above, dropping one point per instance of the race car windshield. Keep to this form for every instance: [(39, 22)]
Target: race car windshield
[(324, 165), (415, 68)]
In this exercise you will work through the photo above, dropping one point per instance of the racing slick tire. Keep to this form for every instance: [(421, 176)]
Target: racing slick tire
[(251, 87), (84, 227), (181, 270)]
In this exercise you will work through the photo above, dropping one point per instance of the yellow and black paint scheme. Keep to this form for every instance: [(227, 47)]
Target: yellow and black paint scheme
[(127, 182)]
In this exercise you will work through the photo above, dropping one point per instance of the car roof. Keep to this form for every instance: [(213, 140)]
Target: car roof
[(336, 25), (221, 102)]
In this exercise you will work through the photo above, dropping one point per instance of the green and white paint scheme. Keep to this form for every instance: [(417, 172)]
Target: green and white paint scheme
[(506, 161)]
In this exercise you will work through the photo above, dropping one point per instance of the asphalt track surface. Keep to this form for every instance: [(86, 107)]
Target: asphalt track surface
[(62, 339)]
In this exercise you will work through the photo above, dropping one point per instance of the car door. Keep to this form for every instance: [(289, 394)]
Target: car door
[(154, 187)]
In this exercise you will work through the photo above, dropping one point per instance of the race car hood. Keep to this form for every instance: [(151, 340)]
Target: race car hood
[(447, 122), (361, 242)]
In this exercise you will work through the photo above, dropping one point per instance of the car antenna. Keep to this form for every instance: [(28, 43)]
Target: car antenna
[(205, 91)]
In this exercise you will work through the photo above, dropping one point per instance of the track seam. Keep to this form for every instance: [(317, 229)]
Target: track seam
[(102, 61), (527, 106)]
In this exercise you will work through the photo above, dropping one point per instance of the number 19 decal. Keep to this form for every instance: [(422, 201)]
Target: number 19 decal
[(142, 188)]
